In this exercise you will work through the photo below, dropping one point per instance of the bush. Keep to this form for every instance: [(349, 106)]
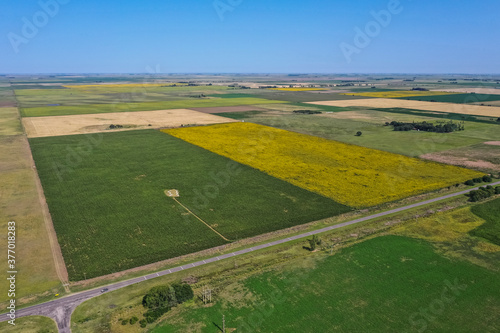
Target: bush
[(359, 133), (183, 292), (124, 322), (159, 300), (469, 183), (477, 180), (482, 193), (143, 323), (487, 179), (133, 320), (152, 315), (167, 296)]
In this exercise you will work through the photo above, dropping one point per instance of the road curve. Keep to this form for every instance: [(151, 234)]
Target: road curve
[(61, 309)]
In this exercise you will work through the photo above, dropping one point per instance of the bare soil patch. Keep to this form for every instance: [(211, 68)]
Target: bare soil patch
[(477, 110), (94, 123), (492, 143), (482, 157), (223, 109), (7, 104)]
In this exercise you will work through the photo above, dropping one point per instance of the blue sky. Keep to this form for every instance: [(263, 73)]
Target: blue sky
[(250, 36)]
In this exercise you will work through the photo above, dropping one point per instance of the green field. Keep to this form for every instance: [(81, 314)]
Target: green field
[(342, 126), (146, 106), (441, 115), (105, 95), (240, 115), (386, 284), (457, 98), (31, 324), (296, 96), (490, 230), (106, 197)]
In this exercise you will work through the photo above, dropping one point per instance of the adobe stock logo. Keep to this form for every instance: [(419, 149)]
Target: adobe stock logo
[(364, 37), (223, 6), (31, 27)]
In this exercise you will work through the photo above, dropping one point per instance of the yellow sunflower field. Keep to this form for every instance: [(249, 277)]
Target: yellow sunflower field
[(349, 174)]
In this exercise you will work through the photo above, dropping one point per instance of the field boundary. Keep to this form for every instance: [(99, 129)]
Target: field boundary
[(59, 263)]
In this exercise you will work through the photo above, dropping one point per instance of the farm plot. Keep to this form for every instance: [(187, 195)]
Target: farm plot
[(342, 126), (60, 110), (92, 123), (399, 93), (483, 157), (230, 109), (352, 175), (458, 98), (385, 284), (490, 91), (29, 98), (490, 230), (106, 196), (489, 111), (298, 89)]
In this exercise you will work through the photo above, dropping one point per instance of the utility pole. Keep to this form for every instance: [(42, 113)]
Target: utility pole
[(223, 324), (206, 295)]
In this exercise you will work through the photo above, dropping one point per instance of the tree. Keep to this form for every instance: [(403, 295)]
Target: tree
[(156, 297), (487, 179), (171, 298), (183, 292), (359, 133), (498, 120), (312, 244)]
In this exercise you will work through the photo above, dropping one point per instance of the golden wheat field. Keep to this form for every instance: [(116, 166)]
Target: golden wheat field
[(400, 93), (476, 110), (349, 174)]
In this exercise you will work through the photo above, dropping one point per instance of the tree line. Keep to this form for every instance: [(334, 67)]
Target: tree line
[(426, 127)]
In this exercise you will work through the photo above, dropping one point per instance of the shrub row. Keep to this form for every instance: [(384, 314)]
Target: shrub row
[(426, 127), (485, 178), (483, 193)]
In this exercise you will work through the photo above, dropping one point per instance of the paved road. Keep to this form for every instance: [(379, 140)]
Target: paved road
[(61, 309)]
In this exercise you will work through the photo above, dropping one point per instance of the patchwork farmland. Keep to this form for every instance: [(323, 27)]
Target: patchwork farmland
[(110, 212), (144, 176), (353, 175)]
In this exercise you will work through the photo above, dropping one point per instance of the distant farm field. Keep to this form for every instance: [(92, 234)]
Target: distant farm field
[(122, 85), (146, 106), (457, 98), (92, 123), (342, 126), (353, 175), (298, 89), (104, 94), (489, 111), (106, 196), (399, 93)]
